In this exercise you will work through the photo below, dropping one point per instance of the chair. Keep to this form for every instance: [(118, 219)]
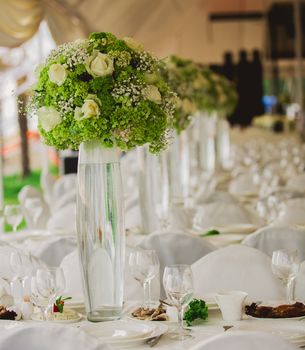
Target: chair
[(244, 184), (296, 183), (240, 340), (63, 185), (237, 267), (48, 337), (223, 214), (292, 213), (269, 239), (176, 248), (63, 219), (47, 182)]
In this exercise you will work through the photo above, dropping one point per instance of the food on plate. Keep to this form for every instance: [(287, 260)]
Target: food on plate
[(150, 314), (281, 311), (6, 314), (196, 310)]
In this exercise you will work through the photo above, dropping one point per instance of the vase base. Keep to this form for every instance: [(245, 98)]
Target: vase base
[(105, 314)]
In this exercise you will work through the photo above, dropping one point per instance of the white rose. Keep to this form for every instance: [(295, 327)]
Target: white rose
[(151, 93), (89, 109), (57, 74), (188, 106), (133, 44), (99, 64), (48, 118)]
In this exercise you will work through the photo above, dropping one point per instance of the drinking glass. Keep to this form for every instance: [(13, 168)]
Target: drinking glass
[(285, 265), (49, 283), (178, 285), (13, 215), (144, 266), (22, 269)]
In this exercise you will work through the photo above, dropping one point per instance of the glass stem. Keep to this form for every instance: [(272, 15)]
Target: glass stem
[(290, 290), (145, 293), (180, 319)]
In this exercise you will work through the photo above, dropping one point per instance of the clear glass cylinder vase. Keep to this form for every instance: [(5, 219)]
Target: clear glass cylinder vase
[(223, 143), (100, 228), (153, 190), (179, 168), (206, 142)]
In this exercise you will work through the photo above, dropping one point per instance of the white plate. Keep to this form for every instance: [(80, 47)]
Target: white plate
[(72, 319), (289, 330), (125, 332)]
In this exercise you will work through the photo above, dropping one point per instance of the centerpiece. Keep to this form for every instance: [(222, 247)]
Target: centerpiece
[(99, 95)]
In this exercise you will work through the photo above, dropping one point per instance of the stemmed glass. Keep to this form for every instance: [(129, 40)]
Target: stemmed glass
[(22, 269), (46, 285), (13, 215), (178, 285), (285, 265), (144, 266)]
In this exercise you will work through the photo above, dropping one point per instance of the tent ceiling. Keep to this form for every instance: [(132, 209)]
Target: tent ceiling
[(164, 26)]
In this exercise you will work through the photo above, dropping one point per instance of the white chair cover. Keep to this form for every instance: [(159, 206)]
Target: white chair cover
[(216, 197), (296, 183), (269, 239), (47, 337), (63, 219), (242, 340), (244, 184), (237, 267), (176, 248), (26, 194), (71, 267), (222, 214), (292, 214)]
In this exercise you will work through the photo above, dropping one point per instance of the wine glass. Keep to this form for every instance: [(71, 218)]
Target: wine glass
[(49, 283), (13, 215), (285, 265), (144, 266), (178, 285)]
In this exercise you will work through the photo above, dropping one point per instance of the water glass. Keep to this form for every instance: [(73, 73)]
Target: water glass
[(178, 285), (144, 266), (13, 215), (49, 283), (285, 265)]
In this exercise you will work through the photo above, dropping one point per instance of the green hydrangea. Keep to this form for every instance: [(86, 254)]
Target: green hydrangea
[(99, 89), (184, 77)]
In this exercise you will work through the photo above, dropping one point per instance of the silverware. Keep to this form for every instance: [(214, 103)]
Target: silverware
[(153, 341)]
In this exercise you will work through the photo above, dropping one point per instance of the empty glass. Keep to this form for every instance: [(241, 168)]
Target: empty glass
[(178, 285), (47, 285), (285, 265), (144, 266), (13, 215)]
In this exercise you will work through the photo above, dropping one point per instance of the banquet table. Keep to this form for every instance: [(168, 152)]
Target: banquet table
[(200, 332)]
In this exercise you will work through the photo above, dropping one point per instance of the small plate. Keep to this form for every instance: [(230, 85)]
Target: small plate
[(125, 332), (71, 314)]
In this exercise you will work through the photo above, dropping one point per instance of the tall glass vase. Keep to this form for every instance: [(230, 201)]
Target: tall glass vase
[(179, 174), (153, 189), (207, 145), (223, 144), (100, 228)]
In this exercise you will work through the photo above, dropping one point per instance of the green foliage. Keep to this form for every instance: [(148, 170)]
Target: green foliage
[(197, 309)]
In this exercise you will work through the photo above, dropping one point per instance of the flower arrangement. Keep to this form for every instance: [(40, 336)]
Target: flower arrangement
[(103, 88), (184, 77), (219, 93)]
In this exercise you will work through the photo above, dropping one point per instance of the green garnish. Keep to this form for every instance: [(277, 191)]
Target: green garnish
[(210, 233), (197, 309), (59, 304)]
